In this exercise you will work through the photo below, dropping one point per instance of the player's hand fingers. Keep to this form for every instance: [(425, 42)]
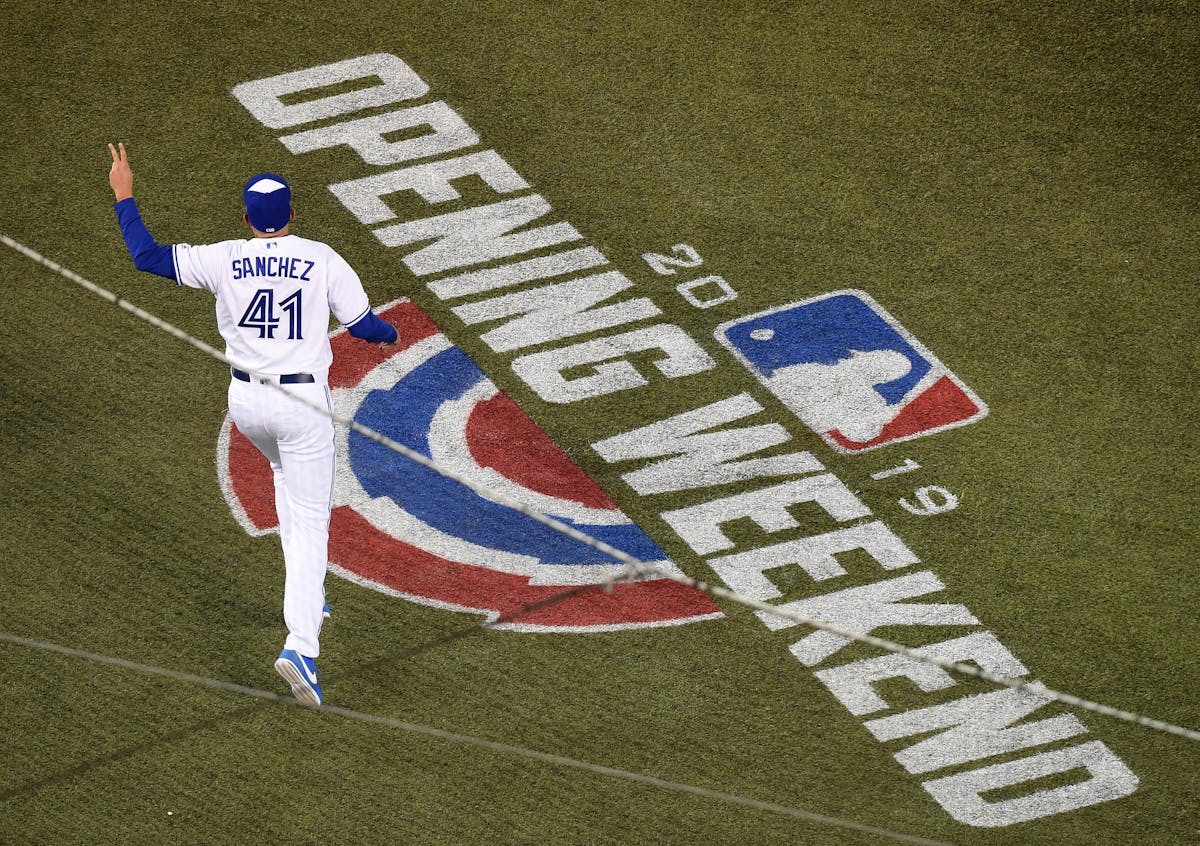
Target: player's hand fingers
[(113, 150), (124, 155)]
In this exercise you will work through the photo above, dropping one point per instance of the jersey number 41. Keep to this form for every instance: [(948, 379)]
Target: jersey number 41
[(261, 314)]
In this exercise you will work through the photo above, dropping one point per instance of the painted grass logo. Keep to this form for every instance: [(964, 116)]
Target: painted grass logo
[(850, 371), (405, 530), (838, 360)]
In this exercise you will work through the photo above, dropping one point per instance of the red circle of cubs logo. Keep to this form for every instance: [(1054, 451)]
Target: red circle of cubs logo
[(407, 531)]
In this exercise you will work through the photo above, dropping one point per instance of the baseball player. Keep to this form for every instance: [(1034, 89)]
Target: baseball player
[(274, 293)]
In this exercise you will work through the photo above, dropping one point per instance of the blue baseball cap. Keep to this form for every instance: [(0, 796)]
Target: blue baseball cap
[(268, 202)]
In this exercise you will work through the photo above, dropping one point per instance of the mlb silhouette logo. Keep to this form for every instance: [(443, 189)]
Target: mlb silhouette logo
[(850, 371)]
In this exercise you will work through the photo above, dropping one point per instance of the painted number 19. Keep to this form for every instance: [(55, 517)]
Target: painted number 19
[(260, 314)]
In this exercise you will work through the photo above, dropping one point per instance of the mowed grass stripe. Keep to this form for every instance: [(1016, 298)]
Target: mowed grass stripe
[(467, 740)]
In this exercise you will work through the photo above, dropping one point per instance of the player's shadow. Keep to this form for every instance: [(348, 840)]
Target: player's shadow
[(31, 787), (461, 633), (225, 717)]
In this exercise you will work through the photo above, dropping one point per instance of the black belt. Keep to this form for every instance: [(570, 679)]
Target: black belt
[(285, 379)]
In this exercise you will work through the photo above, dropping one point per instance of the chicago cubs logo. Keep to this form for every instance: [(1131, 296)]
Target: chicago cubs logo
[(850, 371), (405, 530)]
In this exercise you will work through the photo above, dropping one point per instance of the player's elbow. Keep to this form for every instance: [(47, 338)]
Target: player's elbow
[(143, 259), (158, 260)]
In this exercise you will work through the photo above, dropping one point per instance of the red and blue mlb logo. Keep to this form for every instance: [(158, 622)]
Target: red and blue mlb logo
[(850, 371)]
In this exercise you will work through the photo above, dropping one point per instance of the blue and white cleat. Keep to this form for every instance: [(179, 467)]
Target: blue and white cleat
[(326, 611), (301, 673)]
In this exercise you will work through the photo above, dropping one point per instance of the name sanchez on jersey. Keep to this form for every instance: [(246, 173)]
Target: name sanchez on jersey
[(283, 266)]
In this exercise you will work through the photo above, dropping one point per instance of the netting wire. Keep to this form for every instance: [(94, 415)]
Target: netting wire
[(633, 569)]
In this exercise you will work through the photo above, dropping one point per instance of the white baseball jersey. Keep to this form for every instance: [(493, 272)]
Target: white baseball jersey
[(274, 296)]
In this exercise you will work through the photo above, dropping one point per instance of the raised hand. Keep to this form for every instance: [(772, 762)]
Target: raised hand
[(120, 177)]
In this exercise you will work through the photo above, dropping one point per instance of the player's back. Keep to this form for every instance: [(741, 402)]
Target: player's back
[(274, 297)]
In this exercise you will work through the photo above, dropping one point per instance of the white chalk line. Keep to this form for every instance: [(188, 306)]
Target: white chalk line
[(471, 740), (634, 569)]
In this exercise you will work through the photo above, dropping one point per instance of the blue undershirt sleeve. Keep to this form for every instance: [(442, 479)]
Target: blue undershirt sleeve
[(371, 328), (147, 254)]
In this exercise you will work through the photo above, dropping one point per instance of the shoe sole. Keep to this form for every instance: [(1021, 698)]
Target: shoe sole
[(300, 687)]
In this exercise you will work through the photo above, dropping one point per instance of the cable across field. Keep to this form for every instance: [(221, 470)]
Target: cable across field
[(633, 568)]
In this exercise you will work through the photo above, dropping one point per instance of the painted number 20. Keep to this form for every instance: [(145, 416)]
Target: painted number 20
[(685, 256), (260, 314)]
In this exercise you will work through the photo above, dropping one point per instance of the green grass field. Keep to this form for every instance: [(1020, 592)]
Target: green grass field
[(1018, 185)]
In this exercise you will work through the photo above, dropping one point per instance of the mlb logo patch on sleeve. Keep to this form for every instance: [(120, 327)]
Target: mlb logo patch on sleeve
[(850, 371)]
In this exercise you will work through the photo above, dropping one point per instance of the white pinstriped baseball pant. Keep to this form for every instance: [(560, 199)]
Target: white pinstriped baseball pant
[(299, 443)]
